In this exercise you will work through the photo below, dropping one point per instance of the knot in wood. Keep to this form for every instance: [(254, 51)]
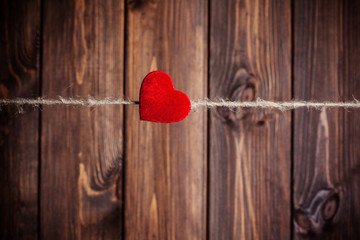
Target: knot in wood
[(319, 213), (302, 220), (136, 4), (330, 206), (244, 93)]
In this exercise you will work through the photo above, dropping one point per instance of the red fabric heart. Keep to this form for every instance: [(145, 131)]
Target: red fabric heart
[(160, 102)]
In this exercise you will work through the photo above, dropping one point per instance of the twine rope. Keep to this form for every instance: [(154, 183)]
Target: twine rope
[(259, 103)]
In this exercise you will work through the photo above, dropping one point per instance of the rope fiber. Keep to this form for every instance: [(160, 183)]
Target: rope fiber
[(259, 103)]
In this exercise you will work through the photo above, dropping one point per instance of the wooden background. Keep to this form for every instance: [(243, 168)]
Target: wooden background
[(100, 173)]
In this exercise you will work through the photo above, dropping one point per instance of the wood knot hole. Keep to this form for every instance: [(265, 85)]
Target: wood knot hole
[(330, 207), (319, 213), (136, 4), (242, 93), (302, 220), (260, 123)]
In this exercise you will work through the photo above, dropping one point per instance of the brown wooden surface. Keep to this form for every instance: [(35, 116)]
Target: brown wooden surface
[(19, 132), (326, 144), (81, 161), (250, 149), (166, 163), (244, 174)]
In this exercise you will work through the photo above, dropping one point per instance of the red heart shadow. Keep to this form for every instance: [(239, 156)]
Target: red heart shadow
[(160, 102)]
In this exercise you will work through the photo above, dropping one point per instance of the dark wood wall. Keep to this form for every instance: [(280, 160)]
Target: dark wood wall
[(100, 173)]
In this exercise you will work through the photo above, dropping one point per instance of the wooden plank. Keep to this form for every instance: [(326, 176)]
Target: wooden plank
[(82, 147), (250, 149), (19, 133), (326, 152), (166, 163)]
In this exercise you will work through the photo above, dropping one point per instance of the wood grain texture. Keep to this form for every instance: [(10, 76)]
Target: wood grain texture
[(166, 163), (81, 170), (250, 158), (19, 132), (326, 144)]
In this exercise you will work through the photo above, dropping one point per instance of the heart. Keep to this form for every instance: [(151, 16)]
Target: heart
[(160, 102)]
